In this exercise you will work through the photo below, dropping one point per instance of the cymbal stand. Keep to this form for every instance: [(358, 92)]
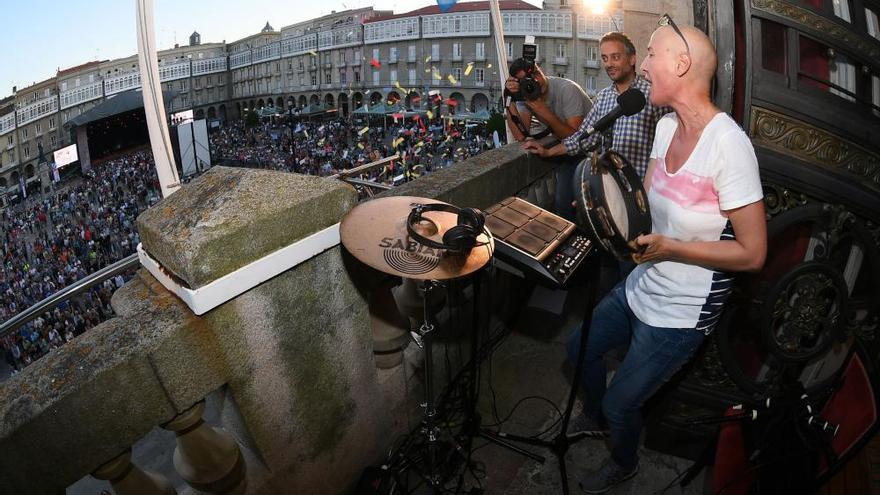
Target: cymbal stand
[(424, 339)]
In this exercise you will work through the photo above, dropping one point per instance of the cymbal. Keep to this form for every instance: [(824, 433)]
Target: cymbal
[(375, 233)]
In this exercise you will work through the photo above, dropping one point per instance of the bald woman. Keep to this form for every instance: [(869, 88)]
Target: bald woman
[(708, 223)]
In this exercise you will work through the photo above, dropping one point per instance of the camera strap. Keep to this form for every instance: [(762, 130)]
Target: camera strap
[(517, 121)]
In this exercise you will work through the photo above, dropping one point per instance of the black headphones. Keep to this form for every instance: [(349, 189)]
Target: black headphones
[(460, 238)]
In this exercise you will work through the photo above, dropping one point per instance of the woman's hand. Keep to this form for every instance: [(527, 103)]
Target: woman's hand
[(655, 247)]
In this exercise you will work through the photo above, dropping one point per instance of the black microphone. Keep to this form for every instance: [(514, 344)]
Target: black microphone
[(630, 102)]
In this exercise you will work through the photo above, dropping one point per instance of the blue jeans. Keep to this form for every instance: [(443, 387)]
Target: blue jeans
[(653, 356), (565, 188)]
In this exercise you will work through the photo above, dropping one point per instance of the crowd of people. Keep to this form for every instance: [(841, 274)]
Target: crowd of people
[(328, 147), (51, 241)]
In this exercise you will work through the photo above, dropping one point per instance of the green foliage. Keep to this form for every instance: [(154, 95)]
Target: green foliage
[(251, 119), (496, 123)]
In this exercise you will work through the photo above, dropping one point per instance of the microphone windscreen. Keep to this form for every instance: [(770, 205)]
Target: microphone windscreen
[(631, 101)]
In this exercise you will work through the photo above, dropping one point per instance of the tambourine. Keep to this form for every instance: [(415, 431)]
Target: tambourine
[(611, 203)]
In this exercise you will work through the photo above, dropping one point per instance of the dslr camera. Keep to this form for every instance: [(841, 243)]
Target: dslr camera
[(529, 89)]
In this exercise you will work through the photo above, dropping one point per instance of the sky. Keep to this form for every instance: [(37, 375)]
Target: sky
[(41, 36)]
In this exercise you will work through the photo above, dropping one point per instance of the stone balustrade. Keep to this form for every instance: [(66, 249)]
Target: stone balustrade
[(305, 408)]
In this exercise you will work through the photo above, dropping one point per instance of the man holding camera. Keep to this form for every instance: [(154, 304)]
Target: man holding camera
[(631, 136), (558, 104)]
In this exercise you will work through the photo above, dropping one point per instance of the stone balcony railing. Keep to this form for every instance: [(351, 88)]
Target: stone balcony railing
[(302, 405)]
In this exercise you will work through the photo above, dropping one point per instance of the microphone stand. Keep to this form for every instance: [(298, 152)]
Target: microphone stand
[(563, 440)]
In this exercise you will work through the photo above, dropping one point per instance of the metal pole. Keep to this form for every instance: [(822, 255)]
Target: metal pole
[(154, 106), (500, 53)]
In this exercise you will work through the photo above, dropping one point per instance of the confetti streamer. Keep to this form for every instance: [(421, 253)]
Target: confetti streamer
[(451, 102), (469, 68), (396, 143), (451, 79), (375, 63), (361, 145), (430, 114), (489, 66), (363, 131), (313, 53), (427, 59)]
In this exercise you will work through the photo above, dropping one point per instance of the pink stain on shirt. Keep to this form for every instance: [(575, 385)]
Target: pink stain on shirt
[(688, 190)]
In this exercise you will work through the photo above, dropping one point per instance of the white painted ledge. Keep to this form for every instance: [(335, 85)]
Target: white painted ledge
[(229, 286)]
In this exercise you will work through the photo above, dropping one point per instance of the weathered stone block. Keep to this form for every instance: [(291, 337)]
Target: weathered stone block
[(229, 217)]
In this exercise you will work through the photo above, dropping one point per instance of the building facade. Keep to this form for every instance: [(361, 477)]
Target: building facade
[(342, 61)]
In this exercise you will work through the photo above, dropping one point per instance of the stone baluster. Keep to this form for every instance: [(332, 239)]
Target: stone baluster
[(390, 331), (128, 479), (207, 458)]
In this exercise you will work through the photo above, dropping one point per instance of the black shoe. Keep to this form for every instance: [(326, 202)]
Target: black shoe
[(607, 477)]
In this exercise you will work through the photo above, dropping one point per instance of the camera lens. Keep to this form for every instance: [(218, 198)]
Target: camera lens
[(529, 88)]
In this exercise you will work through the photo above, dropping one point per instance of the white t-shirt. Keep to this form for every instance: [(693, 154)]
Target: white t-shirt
[(720, 174)]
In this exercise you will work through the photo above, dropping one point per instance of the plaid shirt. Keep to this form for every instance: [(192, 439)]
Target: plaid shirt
[(632, 136)]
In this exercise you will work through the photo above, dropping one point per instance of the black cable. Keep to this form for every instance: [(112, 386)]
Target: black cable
[(667, 487), (520, 402)]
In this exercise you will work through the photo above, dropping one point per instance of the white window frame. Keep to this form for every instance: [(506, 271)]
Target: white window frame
[(841, 9), (873, 25), (456, 51)]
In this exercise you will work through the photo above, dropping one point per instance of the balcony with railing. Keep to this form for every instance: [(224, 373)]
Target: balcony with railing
[(455, 25), (406, 28), (269, 51), (37, 110), (299, 45), (7, 123), (209, 66), (546, 24), (296, 382), (591, 64), (340, 37), (594, 26), (81, 94), (240, 59), (560, 60)]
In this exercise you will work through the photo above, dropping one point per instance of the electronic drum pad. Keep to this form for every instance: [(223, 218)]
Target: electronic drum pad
[(611, 203)]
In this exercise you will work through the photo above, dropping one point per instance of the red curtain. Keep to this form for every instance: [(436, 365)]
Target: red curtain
[(814, 63)]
